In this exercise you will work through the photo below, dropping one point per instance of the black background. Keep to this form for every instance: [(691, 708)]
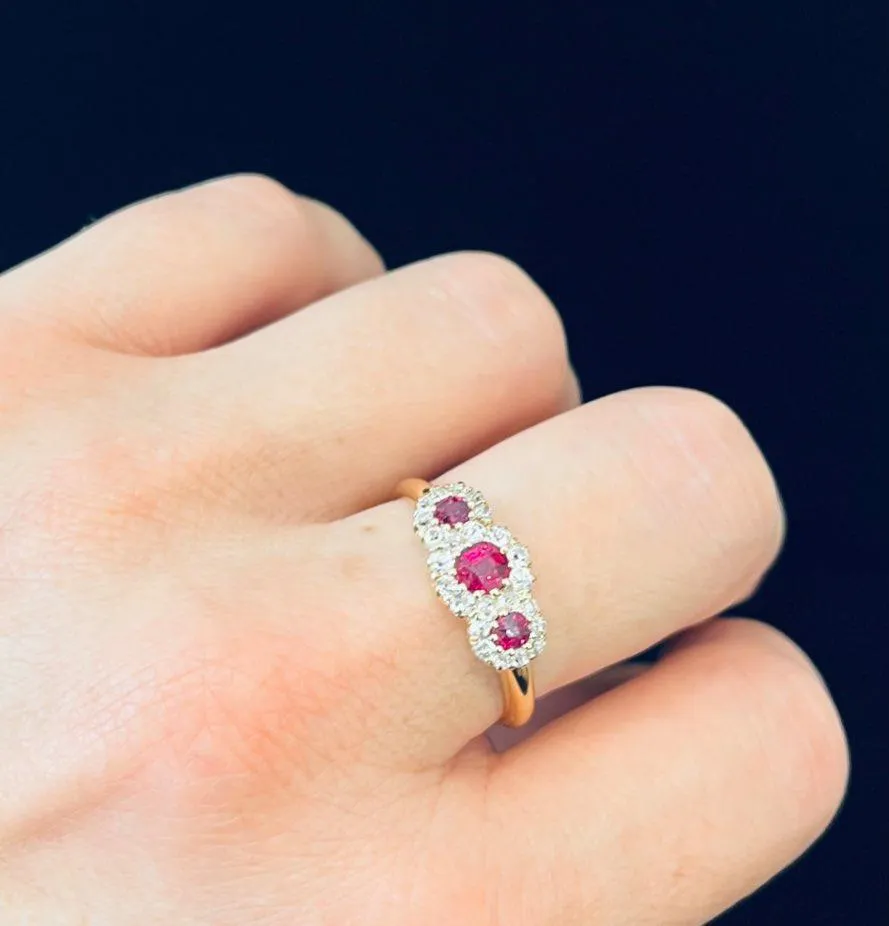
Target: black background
[(701, 188)]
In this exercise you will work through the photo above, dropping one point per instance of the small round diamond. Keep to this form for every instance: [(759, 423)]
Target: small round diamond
[(440, 561), (500, 535), (512, 630), (521, 578), (452, 510), (483, 567), (518, 555)]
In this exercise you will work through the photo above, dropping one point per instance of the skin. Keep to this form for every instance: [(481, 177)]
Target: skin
[(229, 694)]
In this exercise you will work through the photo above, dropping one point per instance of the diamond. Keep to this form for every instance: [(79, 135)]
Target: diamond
[(440, 561), (452, 510), (473, 532), (512, 630), (483, 567), (501, 536), (518, 555), (522, 578)]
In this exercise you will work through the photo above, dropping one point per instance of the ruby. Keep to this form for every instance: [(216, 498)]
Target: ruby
[(452, 510), (512, 630), (482, 567)]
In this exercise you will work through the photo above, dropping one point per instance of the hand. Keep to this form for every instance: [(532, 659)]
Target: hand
[(229, 694)]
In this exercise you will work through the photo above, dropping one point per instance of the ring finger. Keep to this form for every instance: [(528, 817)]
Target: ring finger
[(645, 512)]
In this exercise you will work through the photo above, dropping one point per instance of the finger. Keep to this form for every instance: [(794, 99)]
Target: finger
[(191, 269), (676, 794), (558, 703), (644, 512), (322, 413)]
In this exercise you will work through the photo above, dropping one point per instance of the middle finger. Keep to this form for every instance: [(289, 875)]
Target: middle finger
[(413, 371)]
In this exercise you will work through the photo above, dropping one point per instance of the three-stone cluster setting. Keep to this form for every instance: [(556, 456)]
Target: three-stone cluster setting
[(482, 574)]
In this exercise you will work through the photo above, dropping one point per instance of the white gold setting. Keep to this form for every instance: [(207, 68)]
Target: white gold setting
[(481, 609)]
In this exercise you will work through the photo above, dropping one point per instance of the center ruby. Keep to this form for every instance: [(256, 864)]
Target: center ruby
[(482, 567)]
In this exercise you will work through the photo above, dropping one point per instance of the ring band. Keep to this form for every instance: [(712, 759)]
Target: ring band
[(484, 576)]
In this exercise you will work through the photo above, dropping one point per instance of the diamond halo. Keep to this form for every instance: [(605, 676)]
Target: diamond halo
[(501, 604)]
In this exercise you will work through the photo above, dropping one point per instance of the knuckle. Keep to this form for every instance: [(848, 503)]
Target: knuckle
[(487, 269), (802, 742), (255, 198), (505, 302), (257, 189), (815, 749), (701, 433), (702, 418)]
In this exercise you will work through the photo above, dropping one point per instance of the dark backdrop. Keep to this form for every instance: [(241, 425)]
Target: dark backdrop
[(702, 189)]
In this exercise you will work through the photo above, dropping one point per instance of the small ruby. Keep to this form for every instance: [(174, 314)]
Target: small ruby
[(452, 510), (482, 567), (512, 630)]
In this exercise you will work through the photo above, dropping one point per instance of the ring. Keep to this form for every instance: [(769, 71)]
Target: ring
[(484, 576)]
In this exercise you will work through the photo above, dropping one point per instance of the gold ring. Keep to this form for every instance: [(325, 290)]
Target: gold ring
[(484, 576)]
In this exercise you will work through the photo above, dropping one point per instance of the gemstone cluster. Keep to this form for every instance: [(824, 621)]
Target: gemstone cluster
[(482, 574)]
